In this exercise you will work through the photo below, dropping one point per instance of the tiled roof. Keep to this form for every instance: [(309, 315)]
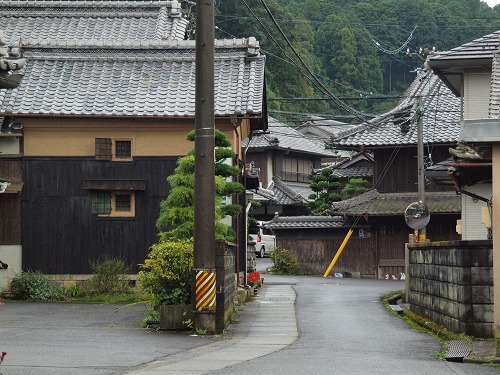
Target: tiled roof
[(394, 204), (285, 194), (262, 195), (282, 136), (481, 48), (494, 108), (92, 20), (354, 172), (441, 115), (309, 222), (148, 78), (325, 127)]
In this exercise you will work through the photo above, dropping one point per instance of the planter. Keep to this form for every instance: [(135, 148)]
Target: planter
[(173, 316)]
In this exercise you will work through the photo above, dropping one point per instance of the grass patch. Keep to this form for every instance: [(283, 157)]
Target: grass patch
[(425, 325)]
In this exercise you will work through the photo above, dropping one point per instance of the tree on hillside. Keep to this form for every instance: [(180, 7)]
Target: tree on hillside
[(176, 218)]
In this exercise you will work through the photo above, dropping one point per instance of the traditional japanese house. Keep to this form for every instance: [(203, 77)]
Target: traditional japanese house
[(102, 113)]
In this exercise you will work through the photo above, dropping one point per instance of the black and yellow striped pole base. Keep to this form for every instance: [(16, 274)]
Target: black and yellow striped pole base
[(205, 290)]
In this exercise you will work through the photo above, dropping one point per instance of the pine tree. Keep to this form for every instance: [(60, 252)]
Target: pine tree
[(176, 218), (354, 187), (325, 186)]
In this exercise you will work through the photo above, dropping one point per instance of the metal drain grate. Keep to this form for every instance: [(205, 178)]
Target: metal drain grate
[(278, 299), (456, 350)]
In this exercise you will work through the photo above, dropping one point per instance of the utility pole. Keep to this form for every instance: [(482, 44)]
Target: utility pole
[(420, 160), (204, 175)]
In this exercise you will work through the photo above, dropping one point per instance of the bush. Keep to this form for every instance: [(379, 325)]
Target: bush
[(166, 276), (35, 286), (285, 263), (109, 276)]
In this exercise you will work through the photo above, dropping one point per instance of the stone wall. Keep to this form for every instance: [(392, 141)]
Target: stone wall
[(452, 284), (226, 281)]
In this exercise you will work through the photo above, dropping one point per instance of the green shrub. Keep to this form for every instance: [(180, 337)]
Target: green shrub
[(109, 276), (76, 291), (35, 286), (285, 263), (166, 277)]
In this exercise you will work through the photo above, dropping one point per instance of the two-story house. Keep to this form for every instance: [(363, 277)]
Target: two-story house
[(472, 71), (101, 117), (285, 159), (376, 248)]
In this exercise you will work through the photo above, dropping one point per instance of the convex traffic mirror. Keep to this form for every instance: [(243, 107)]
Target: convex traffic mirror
[(417, 215)]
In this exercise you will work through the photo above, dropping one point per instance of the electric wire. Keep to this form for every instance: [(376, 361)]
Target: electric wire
[(311, 78), (337, 101), (395, 51)]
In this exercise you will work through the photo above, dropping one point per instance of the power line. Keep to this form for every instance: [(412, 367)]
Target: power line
[(337, 101)]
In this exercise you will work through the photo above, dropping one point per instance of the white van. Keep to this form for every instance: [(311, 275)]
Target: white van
[(264, 239)]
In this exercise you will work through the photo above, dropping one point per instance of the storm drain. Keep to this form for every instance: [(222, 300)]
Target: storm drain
[(456, 350)]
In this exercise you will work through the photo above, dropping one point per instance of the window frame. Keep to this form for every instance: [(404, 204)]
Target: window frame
[(120, 158), (106, 149), (113, 210)]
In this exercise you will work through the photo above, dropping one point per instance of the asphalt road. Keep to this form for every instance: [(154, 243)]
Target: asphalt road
[(74, 339), (343, 330)]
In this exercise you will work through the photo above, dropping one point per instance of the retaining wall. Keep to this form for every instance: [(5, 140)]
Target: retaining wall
[(452, 284)]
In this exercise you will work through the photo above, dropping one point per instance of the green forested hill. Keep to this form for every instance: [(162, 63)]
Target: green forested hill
[(356, 49)]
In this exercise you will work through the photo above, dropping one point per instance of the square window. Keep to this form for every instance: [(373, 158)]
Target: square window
[(113, 149), (122, 202), (123, 149), (101, 203), (103, 149)]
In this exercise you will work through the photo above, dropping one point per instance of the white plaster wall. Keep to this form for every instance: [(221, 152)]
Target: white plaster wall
[(270, 171), (476, 95), (9, 146), (12, 255), (472, 226)]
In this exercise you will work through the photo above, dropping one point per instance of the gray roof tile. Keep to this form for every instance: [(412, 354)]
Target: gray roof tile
[(324, 128), (282, 136), (394, 204), (152, 78), (92, 20), (287, 194), (481, 48), (440, 118), (309, 222), (354, 172), (494, 108)]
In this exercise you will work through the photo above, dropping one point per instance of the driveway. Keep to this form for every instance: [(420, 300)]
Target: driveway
[(67, 338)]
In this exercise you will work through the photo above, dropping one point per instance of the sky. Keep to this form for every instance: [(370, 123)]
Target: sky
[(492, 3)]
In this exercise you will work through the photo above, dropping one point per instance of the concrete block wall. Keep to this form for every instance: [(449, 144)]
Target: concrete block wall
[(452, 284)]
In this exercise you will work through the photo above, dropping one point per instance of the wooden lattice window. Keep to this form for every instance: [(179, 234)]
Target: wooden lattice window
[(113, 203), (103, 149), (123, 202), (101, 202), (113, 149), (123, 149)]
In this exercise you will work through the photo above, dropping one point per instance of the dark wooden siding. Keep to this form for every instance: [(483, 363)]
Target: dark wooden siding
[(61, 236), (260, 160), (10, 203), (393, 233), (376, 254), (315, 249), (11, 169), (400, 175), (10, 212), (396, 176)]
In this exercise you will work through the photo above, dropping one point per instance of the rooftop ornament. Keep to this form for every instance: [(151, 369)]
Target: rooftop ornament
[(11, 62)]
